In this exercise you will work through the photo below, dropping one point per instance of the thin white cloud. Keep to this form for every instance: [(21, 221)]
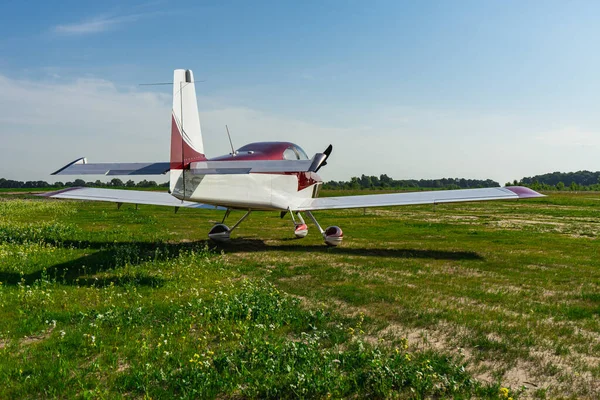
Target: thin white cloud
[(44, 125), (96, 25), (570, 137)]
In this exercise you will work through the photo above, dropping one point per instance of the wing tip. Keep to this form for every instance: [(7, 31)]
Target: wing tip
[(524, 192), (81, 160)]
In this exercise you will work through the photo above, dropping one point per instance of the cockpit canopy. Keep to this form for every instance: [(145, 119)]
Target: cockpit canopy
[(294, 152), (273, 151)]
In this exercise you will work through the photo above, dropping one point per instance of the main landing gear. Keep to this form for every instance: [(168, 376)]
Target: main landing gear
[(221, 232), (333, 235)]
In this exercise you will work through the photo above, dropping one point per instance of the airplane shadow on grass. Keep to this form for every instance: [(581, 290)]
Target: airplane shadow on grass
[(110, 256), (254, 245)]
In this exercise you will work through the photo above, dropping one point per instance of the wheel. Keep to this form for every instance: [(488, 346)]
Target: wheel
[(219, 233), (301, 231), (333, 236)]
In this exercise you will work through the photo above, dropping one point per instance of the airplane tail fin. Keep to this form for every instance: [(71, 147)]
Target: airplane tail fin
[(186, 136)]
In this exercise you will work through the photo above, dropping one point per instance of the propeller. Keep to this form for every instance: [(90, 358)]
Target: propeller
[(327, 152)]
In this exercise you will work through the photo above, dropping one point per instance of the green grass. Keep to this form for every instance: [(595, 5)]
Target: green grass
[(100, 302)]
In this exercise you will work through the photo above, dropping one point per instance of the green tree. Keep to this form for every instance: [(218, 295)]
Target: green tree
[(116, 182), (146, 183)]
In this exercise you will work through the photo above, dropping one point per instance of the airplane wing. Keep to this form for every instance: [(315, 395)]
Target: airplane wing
[(82, 167), (429, 197), (125, 196)]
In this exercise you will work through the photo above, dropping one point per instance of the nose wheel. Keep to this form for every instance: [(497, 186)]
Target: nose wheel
[(300, 227)]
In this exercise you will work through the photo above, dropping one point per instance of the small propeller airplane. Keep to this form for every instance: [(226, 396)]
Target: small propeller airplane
[(263, 176)]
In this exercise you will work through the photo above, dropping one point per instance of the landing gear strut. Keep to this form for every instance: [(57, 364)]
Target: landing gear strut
[(333, 235), (300, 228), (221, 232)]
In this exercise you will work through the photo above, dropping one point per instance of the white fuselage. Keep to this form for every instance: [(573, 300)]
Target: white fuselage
[(260, 191)]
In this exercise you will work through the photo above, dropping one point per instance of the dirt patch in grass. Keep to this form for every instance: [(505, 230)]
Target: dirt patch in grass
[(296, 278), (583, 228), (521, 375), (453, 219), (520, 223), (394, 277), (542, 369), (504, 289), (461, 271), (549, 370), (122, 366), (28, 340), (418, 338), (458, 303)]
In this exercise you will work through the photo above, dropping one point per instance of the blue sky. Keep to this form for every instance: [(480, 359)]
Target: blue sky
[(494, 89)]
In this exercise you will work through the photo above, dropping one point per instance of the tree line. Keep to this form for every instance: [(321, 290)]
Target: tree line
[(364, 182), (116, 182), (575, 181), (385, 182)]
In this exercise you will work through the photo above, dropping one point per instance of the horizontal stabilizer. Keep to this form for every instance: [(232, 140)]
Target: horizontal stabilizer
[(430, 197), (126, 196), (256, 166), (82, 167)]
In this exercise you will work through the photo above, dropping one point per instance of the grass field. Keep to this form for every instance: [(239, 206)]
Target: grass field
[(486, 300)]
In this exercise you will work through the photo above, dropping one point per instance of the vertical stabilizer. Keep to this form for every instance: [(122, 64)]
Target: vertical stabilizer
[(186, 136)]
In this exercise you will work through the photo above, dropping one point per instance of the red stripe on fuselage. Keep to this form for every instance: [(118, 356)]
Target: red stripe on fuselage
[(182, 154), (307, 179)]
